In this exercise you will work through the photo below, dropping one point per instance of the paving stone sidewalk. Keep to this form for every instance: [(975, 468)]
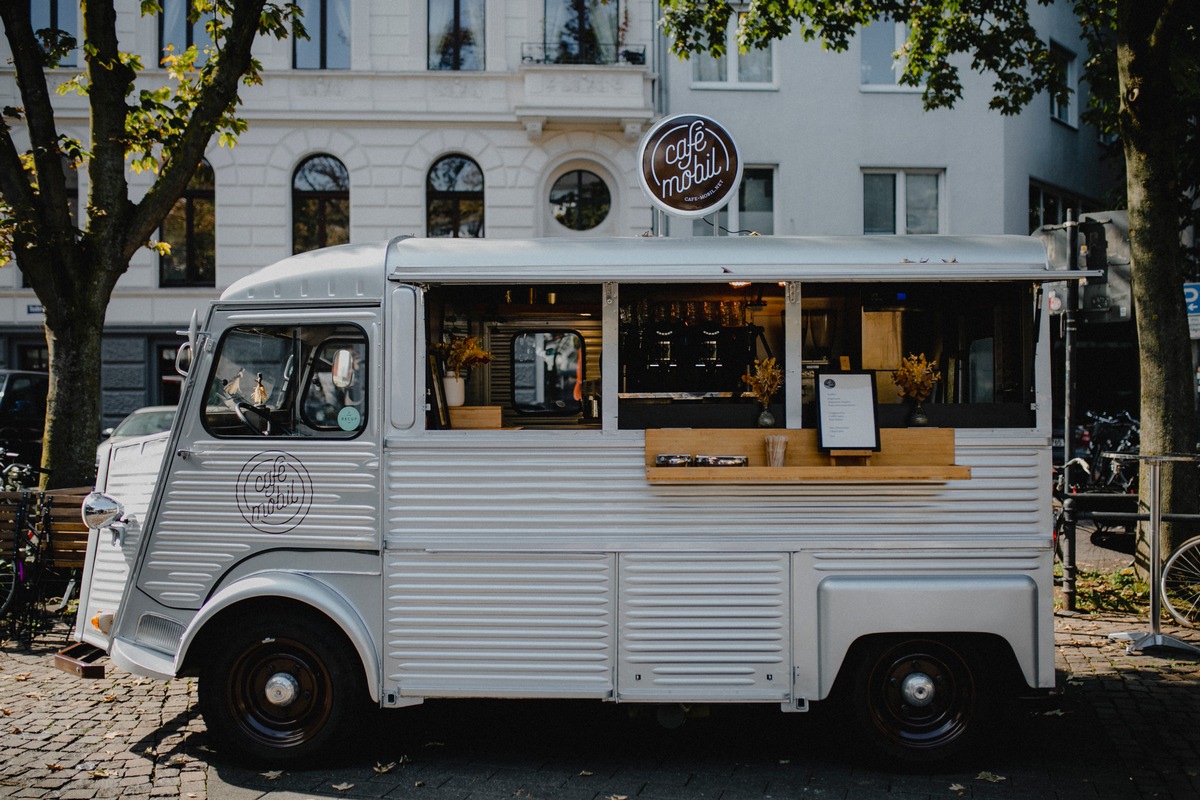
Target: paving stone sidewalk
[(1125, 727)]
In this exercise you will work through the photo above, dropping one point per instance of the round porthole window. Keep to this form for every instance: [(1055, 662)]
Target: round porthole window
[(580, 200)]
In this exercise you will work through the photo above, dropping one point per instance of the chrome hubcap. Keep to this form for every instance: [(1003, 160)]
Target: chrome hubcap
[(282, 689), (917, 689)]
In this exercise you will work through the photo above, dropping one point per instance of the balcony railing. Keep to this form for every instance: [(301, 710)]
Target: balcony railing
[(573, 53)]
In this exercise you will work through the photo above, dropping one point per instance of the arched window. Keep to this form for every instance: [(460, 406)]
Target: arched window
[(454, 198), (190, 229), (320, 204), (580, 200)]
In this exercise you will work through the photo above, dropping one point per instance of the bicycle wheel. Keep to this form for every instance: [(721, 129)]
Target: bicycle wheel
[(1181, 584)]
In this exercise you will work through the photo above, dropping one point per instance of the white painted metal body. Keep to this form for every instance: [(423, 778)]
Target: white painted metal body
[(542, 563)]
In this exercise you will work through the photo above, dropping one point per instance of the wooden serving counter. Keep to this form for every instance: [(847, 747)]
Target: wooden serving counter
[(905, 454)]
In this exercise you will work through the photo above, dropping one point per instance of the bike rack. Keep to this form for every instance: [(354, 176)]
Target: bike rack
[(1140, 640)]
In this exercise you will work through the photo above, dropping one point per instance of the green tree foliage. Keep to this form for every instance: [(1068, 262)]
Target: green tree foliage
[(1144, 70), (163, 130)]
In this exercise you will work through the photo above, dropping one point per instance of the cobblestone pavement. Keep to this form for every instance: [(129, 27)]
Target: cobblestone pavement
[(1124, 727)]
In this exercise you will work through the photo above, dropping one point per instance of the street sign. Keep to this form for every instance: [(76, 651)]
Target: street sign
[(1191, 296)]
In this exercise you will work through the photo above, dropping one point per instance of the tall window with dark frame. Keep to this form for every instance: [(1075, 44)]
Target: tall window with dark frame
[(454, 198), (57, 15), (328, 44), (320, 204), (190, 229), (180, 26), (456, 34), (582, 31)]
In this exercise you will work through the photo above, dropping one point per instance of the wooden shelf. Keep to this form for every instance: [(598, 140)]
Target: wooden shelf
[(803, 474), (905, 454)]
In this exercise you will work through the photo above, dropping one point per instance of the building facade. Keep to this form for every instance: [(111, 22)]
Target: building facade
[(518, 118)]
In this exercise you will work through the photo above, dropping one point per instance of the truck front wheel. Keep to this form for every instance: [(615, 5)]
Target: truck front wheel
[(282, 688), (918, 699)]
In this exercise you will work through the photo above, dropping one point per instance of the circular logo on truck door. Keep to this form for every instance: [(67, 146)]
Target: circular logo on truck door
[(689, 165), (274, 492)]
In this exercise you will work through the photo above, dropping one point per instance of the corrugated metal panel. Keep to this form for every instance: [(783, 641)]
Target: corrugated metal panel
[(130, 475), (501, 626), (201, 530), (568, 490), (715, 625)]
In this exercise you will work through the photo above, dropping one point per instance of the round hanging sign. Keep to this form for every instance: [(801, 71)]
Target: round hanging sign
[(689, 165)]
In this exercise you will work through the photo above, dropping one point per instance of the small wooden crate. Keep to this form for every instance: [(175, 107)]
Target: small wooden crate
[(475, 417)]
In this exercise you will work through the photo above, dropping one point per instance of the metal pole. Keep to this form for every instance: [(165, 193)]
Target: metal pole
[(1155, 554), (1068, 545)]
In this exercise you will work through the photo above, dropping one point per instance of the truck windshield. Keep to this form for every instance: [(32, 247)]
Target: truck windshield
[(281, 381)]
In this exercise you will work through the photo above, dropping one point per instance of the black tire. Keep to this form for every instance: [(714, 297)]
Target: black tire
[(918, 699), (310, 659)]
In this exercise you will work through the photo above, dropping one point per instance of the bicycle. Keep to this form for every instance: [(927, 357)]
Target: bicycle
[(21, 556)]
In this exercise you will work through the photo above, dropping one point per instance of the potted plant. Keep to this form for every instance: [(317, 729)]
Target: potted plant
[(764, 380), (458, 355), (915, 379)]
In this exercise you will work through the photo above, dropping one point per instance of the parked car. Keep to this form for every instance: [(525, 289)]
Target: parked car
[(23, 413), (144, 421)]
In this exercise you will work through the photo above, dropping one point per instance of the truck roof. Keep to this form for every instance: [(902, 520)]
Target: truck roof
[(361, 271)]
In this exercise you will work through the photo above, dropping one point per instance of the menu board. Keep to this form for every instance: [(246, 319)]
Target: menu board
[(846, 411)]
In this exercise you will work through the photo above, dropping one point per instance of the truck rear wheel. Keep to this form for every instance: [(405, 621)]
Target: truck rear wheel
[(919, 699), (282, 688)]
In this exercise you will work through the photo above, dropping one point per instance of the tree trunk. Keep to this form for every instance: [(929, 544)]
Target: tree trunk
[(1150, 130), (73, 405)]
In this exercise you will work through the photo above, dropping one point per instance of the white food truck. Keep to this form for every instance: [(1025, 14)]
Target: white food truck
[(320, 528)]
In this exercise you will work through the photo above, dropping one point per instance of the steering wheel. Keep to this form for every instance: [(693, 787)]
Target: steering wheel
[(254, 418)]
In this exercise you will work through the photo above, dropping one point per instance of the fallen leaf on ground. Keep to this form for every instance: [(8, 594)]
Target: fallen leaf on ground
[(990, 777), (383, 769), (5, 712), (24, 676), (341, 787), (273, 775), (435, 744), (110, 698), (419, 784), (957, 787), (98, 773), (617, 797), (54, 767), (585, 773), (1056, 712)]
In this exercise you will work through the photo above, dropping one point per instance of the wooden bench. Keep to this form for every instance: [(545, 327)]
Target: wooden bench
[(59, 509), (10, 513)]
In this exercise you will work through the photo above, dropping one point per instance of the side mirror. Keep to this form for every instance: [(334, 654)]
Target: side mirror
[(99, 510), (343, 368)]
